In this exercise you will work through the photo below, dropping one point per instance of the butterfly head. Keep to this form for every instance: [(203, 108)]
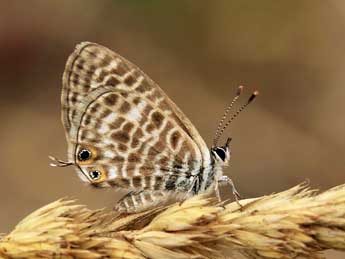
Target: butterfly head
[(221, 155)]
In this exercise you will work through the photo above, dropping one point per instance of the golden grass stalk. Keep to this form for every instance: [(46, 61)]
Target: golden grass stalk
[(294, 223)]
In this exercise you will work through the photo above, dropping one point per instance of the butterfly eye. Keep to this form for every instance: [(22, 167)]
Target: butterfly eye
[(84, 155), (221, 153), (95, 175)]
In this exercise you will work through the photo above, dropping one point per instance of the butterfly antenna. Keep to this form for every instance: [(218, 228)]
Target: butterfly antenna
[(58, 162), (227, 110), (251, 98)]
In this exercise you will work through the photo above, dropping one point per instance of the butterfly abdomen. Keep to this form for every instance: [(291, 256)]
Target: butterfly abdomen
[(137, 201)]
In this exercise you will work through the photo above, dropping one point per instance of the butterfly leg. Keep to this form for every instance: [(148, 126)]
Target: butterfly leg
[(216, 190), (226, 179), (137, 201)]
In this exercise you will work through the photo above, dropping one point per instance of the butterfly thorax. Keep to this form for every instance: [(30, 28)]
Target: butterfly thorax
[(206, 176), (220, 157)]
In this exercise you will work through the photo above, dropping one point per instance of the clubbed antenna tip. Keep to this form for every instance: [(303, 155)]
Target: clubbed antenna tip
[(252, 97), (239, 90)]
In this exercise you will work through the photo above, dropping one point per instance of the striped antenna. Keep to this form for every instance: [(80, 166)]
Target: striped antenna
[(228, 109), (220, 132)]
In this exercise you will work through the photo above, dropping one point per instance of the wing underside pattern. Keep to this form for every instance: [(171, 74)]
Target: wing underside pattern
[(139, 138)]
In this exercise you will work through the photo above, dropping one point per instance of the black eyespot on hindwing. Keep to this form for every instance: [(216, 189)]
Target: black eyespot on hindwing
[(95, 175), (84, 155)]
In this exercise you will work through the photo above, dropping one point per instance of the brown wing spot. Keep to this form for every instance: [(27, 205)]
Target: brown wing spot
[(112, 81), (136, 100), (125, 182), (145, 114), (160, 146), (105, 113), (74, 98), (88, 135), (157, 119), (87, 119), (92, 52), (74, 113), (136, 181), (122, 147), (134, 158), (97, 125), (94, 108), (141, 88), (86, 88), (83, 135), (74, 78), (101, 76), (91, 70), (117, 123), (119, 159), (87, 81), (147, 180), (75, 81), (135, 143), (138, 134), (106, 61), (154, 95), (130, 80), (113, 183), (120, 136), (165, 132), (124, 94), (146, 84), (128, 126), (157, 182), (152, 152), (149, 128), (111, 99), (146, 170), (119, 70), (174, 138), (74, 75), (164, 161), (79, 65), (125, 107), (110, 147)]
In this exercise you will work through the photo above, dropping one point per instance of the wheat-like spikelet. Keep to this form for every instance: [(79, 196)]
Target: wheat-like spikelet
[(293, 223)]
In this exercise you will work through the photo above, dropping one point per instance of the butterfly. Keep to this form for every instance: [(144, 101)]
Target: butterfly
[(124, 132)]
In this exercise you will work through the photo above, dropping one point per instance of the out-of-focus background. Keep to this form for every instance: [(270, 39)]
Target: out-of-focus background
[(199, 52)]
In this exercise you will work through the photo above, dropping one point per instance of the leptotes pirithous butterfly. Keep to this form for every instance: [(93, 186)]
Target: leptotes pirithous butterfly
[(124, 132)]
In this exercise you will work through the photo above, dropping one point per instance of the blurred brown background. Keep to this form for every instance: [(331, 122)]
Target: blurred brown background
[(199, 52)]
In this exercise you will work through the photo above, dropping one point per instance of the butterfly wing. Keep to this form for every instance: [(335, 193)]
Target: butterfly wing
[(138, 138)]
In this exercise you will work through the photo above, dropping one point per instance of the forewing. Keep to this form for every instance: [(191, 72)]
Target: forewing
[(137, 135)]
